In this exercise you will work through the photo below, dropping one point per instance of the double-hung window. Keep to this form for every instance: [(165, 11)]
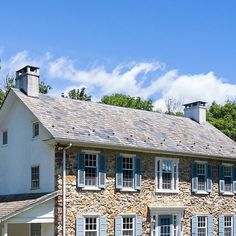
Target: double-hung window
[(166, 175), (128, 225), (227, 224), (35, 129), (91, 170), (35, 177), (201, 177), (202, 225), (128, 172), (91, 226), (227, 179)]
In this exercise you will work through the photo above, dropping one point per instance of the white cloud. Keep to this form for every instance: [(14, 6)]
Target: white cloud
[(145, 79)]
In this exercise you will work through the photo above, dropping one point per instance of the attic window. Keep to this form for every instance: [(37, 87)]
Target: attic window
[(4, 137), (35, 129)]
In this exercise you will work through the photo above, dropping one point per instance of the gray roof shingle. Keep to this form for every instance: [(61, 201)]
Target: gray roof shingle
[(91, 122)]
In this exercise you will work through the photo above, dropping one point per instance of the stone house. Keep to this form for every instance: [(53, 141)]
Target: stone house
[(87, 169)]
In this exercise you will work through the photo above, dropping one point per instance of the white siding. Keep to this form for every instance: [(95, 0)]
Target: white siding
[(23, 151)]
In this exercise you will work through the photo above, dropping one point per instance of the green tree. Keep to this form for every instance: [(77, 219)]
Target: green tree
[(78, 94), (122, 100), (44, 88), (223, 117)]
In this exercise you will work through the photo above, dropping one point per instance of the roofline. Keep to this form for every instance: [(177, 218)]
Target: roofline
[(64, 141), (42, 199)]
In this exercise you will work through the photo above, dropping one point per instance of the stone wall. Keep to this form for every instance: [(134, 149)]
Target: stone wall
[(110, 202)]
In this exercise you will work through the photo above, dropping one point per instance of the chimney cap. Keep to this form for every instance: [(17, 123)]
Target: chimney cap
[(31, 67), (197, 103)]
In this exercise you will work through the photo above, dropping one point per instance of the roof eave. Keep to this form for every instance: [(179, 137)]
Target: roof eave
[(64, 141)]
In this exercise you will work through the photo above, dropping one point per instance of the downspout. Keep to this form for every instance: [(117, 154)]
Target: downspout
[(64, 190)]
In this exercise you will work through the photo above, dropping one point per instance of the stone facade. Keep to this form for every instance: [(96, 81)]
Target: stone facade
[(110, 202)]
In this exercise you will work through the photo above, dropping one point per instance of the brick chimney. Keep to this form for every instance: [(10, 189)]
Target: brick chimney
[(196, 111), (27, 80)]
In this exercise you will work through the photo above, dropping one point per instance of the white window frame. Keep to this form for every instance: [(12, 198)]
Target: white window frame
[(129, 215), (38, 187), (175, 161), (205, 190), (33, 129), (97, 223), (232, 223), (228, 165), (91, 152), (206, 223), (125, 155), (177, 212)]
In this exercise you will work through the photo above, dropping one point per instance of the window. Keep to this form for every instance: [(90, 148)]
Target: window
[(166, 174), (166, 224), (91, 170), (227, 180), (128, 225), (128, 172), (35, 229), (35, 129), (226, 225), (4, 137), (35, 177), (91, 226), (202, 225), (201, 177)]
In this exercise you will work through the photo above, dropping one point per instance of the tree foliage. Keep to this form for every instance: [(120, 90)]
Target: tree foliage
[(78, 95), (122, 100), (223, 117), (44, 88)]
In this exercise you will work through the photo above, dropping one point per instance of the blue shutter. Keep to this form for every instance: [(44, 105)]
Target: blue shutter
[(209, 226), (118, 226), (209, 178), (221, 225), (137, 172), (119, 174), (234, 179), (194, 177), (138, 225), (221, 179), (234, 225), (194, 225), (102, 226), (80, 226), (81, 170), (102, 169)]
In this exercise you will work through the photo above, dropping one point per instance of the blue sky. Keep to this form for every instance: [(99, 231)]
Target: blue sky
[(162, 48)]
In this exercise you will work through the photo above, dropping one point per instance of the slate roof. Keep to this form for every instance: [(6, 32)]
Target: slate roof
[(91, 122), (11, 205)]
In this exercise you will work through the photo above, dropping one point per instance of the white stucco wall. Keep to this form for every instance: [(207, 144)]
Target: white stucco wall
[(23, 151)]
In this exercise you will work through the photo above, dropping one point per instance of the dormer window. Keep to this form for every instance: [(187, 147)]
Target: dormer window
[(35, 129), (4, 137)]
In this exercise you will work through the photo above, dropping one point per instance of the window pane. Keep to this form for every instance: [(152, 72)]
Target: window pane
[(128, 226), (35, 129), (166, 174), (91, 169), (165, 229), (35, 177), (201, 172), (202, 226), (91, 226), (228, 178), (128, 172), (228, 226)]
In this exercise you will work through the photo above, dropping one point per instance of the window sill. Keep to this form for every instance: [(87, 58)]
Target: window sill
[(228, 194), (128, 190), (201, 193), (4, 145), (34, 189), (91, 188), (167, 191)]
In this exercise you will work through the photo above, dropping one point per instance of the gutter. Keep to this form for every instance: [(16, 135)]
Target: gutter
[(64, 190)]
